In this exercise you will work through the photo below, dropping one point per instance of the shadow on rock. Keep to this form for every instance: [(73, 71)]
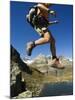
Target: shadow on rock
[(18, 86), (17, 67), (15, 57)]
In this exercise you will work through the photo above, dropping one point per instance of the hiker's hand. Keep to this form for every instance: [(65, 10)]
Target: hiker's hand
[(53, 22), (52, 12), (56, 21)]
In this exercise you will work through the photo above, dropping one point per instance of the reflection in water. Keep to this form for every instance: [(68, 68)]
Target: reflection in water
[(57, 89)]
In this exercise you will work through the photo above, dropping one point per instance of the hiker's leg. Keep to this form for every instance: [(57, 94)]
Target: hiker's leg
[(53, 47), (44, 39), (48, 38)]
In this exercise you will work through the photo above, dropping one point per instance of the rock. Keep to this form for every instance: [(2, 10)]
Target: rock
[(26, 94), (22, 77), (15, 56), (16, 69), (43, 65), (41, 59), (27, 80), (40, 64)]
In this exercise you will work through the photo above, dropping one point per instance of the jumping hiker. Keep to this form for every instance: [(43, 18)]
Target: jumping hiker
[(38, 18)]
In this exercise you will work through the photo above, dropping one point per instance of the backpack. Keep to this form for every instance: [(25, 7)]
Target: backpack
[(32, 16)]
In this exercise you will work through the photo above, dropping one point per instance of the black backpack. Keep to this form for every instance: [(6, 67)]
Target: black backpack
[(32, 16)]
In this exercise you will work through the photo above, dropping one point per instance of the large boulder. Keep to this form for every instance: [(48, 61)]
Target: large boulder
[(24, 80), (16, 68), (42, 64), (41, 59)]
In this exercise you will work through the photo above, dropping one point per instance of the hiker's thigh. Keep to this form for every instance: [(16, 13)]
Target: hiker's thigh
[(47, 34)]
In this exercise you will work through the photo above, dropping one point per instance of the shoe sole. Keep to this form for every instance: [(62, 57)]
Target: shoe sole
[(55, 66), (27, 50)]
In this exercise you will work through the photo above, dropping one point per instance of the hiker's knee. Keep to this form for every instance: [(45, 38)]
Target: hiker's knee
[(47, 39)]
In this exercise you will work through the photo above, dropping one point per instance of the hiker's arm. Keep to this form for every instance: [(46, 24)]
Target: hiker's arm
[(53, 22), (52, 12), (42, 7)]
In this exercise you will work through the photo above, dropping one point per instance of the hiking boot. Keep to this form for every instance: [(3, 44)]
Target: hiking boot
[(29, 48), (57, 64)]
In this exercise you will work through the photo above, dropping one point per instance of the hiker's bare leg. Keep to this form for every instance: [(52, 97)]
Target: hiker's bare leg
[(47, 38), (43, 40)]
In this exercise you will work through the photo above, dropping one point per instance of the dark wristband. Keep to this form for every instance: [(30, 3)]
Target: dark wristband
[(48, 11)]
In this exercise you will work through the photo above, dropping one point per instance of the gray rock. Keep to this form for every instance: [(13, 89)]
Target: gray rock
[(16, 68), (41, 59), (26, 94), (33, 74), (42, 64)]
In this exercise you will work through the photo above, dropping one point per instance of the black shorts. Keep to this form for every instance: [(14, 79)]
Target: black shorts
[(41, 22)]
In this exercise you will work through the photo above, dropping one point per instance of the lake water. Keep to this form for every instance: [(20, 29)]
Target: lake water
[(57, 89)]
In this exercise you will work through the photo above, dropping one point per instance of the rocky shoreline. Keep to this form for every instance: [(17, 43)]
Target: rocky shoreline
[(28, 80)]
